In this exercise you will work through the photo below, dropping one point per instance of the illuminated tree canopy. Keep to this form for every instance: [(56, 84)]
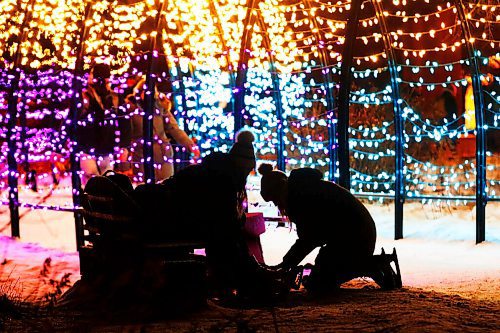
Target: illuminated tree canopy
[(274, 66)]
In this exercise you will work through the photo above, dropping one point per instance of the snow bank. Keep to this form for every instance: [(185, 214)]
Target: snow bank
[(438, 251)]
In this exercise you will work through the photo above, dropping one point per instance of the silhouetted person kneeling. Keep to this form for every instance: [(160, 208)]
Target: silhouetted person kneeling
[(329, 216)]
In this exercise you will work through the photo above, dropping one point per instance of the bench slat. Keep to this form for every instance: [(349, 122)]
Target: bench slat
[(107, 217), (174, 244), (99, 198)]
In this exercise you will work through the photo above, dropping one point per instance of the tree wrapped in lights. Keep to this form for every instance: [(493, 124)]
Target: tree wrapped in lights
[(344, 86)]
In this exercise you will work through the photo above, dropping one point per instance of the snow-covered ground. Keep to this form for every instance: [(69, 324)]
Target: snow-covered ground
[(438, 252), (451, 284)]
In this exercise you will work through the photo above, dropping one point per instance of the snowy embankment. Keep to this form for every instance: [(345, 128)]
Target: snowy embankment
[(438, 252), (451, 284)]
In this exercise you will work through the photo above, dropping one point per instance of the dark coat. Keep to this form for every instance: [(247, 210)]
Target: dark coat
[(96, 129), (326, 214), (209, 204), (207, 194), (200, 202)]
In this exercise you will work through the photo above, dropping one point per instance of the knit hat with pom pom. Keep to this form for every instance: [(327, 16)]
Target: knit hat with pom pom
[(271, 182), (242, 152)]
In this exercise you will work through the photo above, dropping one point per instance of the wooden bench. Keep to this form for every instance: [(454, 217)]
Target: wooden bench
[(115, 230)]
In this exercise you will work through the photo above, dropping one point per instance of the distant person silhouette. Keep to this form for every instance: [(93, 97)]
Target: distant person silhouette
[(165, 128), (98, 131), (327, 216)]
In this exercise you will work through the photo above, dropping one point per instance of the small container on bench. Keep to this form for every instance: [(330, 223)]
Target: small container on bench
[(253, 228)]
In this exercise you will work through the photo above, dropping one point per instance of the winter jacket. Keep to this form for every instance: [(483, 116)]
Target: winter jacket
[(326, 214), (165, 125), (96, 128), (206, 194), (209, 203), (198, 203)]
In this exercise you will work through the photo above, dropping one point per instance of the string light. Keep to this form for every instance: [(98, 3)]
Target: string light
[(201, 43)]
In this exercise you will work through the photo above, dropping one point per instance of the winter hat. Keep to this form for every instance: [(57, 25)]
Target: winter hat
[(242, 152), (271, 181)]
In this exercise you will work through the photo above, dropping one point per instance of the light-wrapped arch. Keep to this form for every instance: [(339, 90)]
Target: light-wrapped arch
[(276, 66)]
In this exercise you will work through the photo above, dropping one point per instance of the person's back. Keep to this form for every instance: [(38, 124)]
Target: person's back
[(324, 212), (205, 195), (330, 217)]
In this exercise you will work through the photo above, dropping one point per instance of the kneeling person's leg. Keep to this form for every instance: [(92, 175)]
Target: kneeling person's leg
[(334, 266)]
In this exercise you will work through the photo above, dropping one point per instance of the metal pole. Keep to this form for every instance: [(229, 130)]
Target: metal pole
[(225, 50), (344, 92), (181, 155), (481, 195), (182, 89), (149, 101), (398, 123), (241, 75), (277, 98), (24, 146), (11, 155), (330, 102), (76, 103), (332, 132), (11, 129)]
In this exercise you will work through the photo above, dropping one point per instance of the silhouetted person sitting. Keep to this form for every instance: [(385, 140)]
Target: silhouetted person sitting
[(207, 202), (327, 216)]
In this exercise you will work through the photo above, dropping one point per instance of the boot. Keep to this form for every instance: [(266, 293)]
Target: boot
[(383, 274)]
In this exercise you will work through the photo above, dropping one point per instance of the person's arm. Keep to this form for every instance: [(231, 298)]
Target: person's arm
[(172, 128), (297, 253)]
